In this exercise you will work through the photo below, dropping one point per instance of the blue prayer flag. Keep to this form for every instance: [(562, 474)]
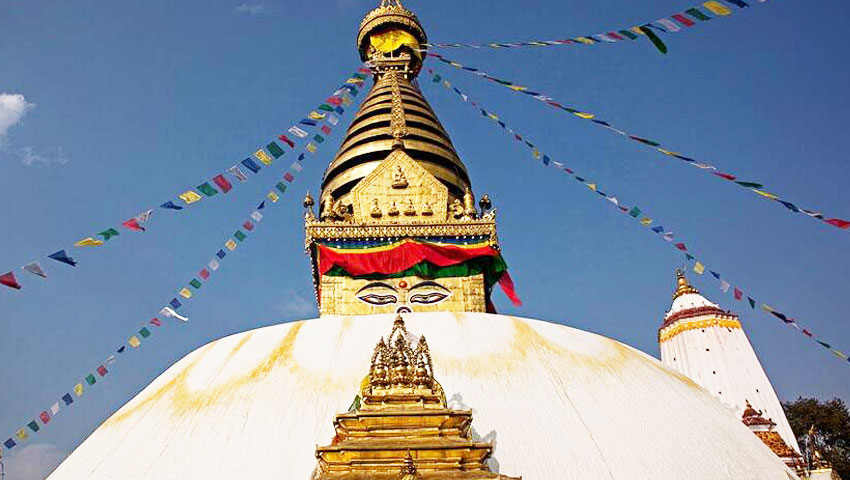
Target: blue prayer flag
[(175, 303), (10, 444), (308, 122), (121, 350), (68, 399), (171, 205), (301, 157), (658, 229), (251, 165), (63, 257), (341, 110), (221, 254), (716, 275), (262, 204)]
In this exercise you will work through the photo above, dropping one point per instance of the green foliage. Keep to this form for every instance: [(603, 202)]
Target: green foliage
[(831, 420)]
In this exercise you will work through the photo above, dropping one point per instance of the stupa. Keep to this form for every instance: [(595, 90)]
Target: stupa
[(487, 396)]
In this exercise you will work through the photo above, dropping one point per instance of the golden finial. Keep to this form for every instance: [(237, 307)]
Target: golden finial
[(682, 285)]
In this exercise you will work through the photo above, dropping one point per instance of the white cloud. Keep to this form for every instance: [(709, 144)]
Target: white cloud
[(33, 462), (51, 156), (13, 107), (250, 8), (296, 305)]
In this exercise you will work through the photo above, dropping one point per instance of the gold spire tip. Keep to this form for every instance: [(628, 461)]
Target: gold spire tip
[(682, 285)]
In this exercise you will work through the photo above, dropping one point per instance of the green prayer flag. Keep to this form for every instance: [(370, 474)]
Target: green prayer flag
[(280, 186), (318, 138), (696, 13), (144, 332), (195, 283), (634, 212), (359, 76), (355, 405), (275, 150), (33, 426), (654, 38), (628, 34), (752, 303), (240, 236), (690, 257), (325, 107), (108, 233), (750, 184), (207, 189), (824, 344), (90, 379), (437, 78)]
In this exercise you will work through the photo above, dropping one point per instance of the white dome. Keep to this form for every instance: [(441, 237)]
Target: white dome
[(689, 301), (558, 403)]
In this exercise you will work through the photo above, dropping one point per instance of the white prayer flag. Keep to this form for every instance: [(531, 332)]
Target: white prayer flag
[(668, 24), (332, 119), (724, 285), (169, 312), (144, 216), (296, 166), (238, 173), (54, 409), (35, 269), (109, 359), (213, 264), (297, 132), (257, 216)]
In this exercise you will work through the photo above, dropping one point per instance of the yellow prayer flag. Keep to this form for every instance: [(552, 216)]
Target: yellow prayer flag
[(447, 84), (311, 147), (134, 341), (667, 152), (354, 80), (455, 64), (273, 197), (316, 115), (646, 221), (766, 194), (185, 293), (391, 40), (22, 434), (89, 242), (78, 389), (518, 88), (584, 40), (231, 245), (699, 268), (493, 117), (766, 308), (584, 115), (536, 153), (637, 30), (190, 197), (591, 186), (839, 354), (717, 8), (263, 157)]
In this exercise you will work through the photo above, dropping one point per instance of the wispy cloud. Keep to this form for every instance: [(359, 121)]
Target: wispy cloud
[(13, 107), (250, 8), (295, 304), (51, 156), (33, 462)]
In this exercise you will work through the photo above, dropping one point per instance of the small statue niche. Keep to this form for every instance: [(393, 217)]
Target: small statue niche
[(456, 208), (326, 211), (409, 208), (469, 204), (399, 179), (375, 209), (426, 208), (393, 210)]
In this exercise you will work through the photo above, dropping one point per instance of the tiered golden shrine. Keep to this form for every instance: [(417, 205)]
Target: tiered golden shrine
[(400, 427)]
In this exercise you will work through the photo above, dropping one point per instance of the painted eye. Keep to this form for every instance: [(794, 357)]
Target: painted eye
[(427, 298), (375, 299)]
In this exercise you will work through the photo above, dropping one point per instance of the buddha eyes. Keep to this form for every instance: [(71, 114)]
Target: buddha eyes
[(376, 299), (426, 298)]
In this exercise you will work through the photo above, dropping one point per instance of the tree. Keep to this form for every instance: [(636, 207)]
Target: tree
[(831, 421)]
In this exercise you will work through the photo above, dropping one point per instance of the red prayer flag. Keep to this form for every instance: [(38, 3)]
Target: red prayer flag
[(157, 322), (726, 176), (45, 417), (837, 222), (807, 333), (334, 101), (101, 370), (738, 294), (288, 177), (683, 20), (326, 129), (364, 70), (615, 35), (682, 247), (10, 281), (286, 140), (507, 285), (222, 183), (204, 273), (248, 225), (133, 224)]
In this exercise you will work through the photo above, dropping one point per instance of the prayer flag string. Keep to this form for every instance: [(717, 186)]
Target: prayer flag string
[(222, 182), (639, 215), (171, 310), (677, 22), (756, 187)]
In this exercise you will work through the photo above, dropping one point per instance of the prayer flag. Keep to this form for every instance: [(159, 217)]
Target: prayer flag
[(133, 224), (22, 434), (308, 122), (682, 247), (111, 359), (326, 129), (634, 212), (668, 236), (78, 390), (257, 216), (207, 189), (789, 206), (311, 147), (628, 34), (699, 268), (238, 174), (750, 184), (591, 186), (185, 293), (108, 233), (286, 140), (213, 264), (190, 197), (334, 100), (669, 25), (10, 281), (655, 40), (251, 165), (134, 341), (696, 13), (101, 370), (837, 222), (297, 132), (34, 426), (724, 285), (332, 119), (546, 160), (68, 399), (273, 196), (807, 333), (90, 379), (824, 344), (230, 244), (263, 157), (717, 8), (766, 194), (222, 183), (144, 332), (738, 293), (35, 269), (296, 166), (45, 417), (144, 216), (204, 273), (155, 322), (725, 176), (318, 138), (167, 312), (281, 187), (715, 274), (739, 3), (9, 444), (325, 107), (221, 254), (766, 308), (314, 115), (683, 20), (175, 303), (171, 206), (240, 235), (247, 225), (275, 150), (658, 229), (288, 177), (88, 242), (341, 110), (646, 221), (689, 256)]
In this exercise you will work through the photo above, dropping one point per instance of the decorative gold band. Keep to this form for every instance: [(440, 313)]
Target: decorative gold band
[(679, 327)]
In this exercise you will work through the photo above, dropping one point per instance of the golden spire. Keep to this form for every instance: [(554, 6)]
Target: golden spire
[(682, 285)]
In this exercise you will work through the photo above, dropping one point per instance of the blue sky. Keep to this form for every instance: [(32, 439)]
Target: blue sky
[(126, 104)]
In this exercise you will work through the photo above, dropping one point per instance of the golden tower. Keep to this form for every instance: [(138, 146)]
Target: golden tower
[(397, 227)]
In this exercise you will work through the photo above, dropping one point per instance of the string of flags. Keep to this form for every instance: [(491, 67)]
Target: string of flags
[(345, 96), (639, 215), (756, 187), (677, 22), (220, 183)]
